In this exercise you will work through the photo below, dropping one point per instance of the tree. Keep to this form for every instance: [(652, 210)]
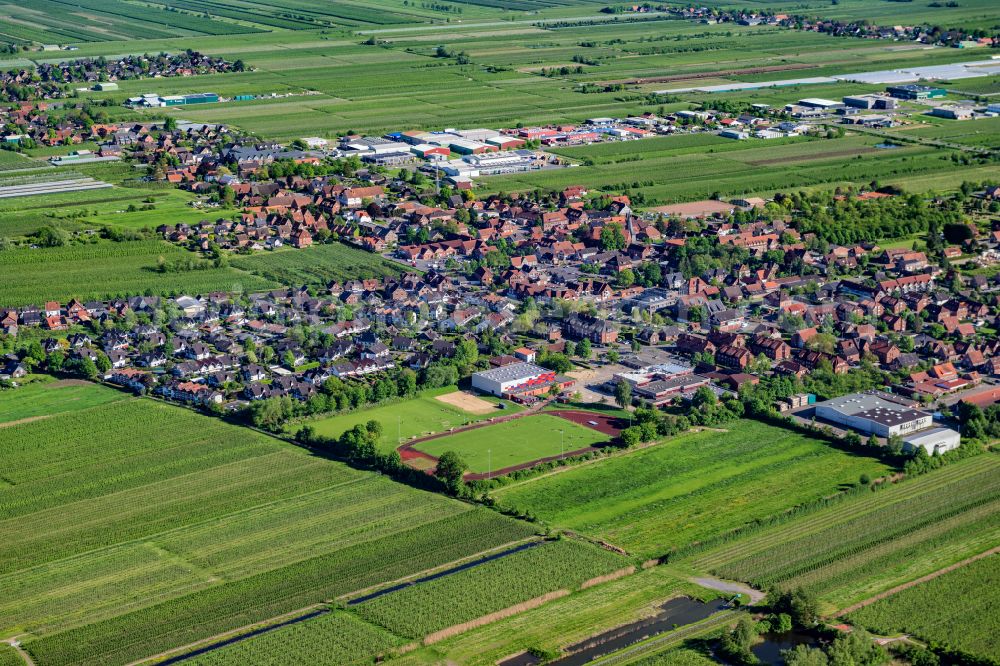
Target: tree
[(466, 353), (631, 436), (800, 605), (103, 363), (450, 468), (612, 237), (583, 349), (623, 393), (856, 649), (803, 655)]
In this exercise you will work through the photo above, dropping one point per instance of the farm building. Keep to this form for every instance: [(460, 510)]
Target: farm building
[(105, 86), (517, 380), (874, 414), (152, 100)]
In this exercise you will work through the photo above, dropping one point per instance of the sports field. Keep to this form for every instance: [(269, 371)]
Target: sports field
[(511, 443), (196, 528), (407, 419), (957, 609), (863, 546), (689, 487), (46, 397)]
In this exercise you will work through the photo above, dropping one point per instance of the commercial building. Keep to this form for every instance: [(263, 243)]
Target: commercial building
[(885, 415), (468, 147), (873, 414), (375, 145), (518, 381), (820, 103), (933, 440), (914, 91), (871, 102), (953, 112)]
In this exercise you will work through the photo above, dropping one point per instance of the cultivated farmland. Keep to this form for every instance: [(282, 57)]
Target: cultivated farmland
[(697, 169), (319, 264), (105, 269), (690, 487), (424, 608), (199, 527), (564, 621), (958, 609), (8, 657), (47, 397), (862, 546), (333, 638)]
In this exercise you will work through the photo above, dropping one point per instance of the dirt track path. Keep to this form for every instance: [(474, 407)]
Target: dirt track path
[(714, 583), (922, 579)]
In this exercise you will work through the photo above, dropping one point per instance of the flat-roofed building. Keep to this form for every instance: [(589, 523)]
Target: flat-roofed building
[(873, 414), (883, 415), (516, 380)]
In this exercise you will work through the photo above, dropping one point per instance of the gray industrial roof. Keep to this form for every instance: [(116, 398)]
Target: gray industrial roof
[(513, 372)]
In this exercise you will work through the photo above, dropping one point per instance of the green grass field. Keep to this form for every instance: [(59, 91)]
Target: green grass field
[(195, 528), (405, 420), (689, 487), (955, 609), (514, 442), (47, 397), (862, 546), (319, 264)]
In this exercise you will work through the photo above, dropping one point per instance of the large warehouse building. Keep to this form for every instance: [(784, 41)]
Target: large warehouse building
[(517, 380), (881, 415)]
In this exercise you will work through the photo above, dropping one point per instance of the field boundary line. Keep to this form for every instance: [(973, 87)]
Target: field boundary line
[(490, 618), (923, 579)]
